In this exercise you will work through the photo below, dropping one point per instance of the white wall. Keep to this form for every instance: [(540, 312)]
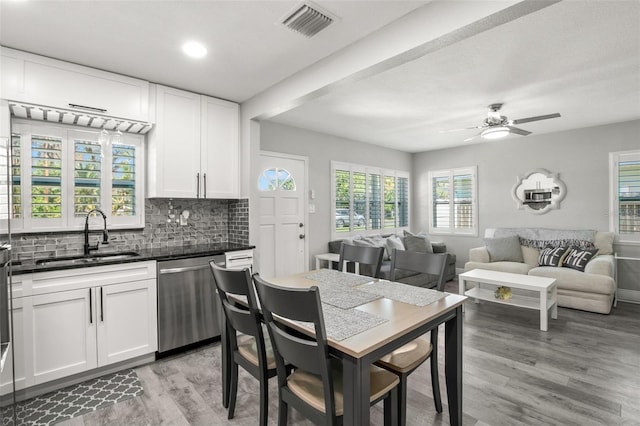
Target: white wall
[(321, 149), (581, 157)]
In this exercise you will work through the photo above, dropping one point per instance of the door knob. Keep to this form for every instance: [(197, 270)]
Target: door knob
[(301, 236)]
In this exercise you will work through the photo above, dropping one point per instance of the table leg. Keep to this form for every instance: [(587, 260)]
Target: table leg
[(356, 390), (544, 310), (554, 300), (453, 366), (318, 263)]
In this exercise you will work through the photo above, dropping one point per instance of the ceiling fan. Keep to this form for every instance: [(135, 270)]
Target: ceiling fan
[(496, 126)]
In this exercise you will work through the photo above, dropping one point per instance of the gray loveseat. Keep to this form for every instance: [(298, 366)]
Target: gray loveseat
[(591, 289), (420, 280)]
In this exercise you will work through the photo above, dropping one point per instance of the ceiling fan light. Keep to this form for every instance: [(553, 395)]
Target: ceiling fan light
[(495, 132)]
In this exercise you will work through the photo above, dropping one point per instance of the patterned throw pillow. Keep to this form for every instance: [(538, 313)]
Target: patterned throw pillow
[(552, 256), (578, 258)]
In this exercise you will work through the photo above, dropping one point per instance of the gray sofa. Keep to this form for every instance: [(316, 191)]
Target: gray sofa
[(593, 289), (420, 280)]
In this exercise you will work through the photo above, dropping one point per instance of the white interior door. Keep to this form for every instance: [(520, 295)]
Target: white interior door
[(282, 194)]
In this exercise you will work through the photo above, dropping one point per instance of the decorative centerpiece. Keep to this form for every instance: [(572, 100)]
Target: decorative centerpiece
[(503, 293)]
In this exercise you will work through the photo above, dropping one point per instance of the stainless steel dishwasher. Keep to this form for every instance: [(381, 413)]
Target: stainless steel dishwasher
[(188, 306)]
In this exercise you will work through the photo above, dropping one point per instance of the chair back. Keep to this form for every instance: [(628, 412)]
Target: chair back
[(426, 263), (243, 319), (361, 255), (309, 353)]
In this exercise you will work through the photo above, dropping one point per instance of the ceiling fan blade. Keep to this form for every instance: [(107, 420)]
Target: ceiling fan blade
[(518, 131), (471, 138), (536, 118), (457, 130)]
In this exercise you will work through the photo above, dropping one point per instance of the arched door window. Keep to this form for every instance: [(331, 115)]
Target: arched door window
[(274, 178)]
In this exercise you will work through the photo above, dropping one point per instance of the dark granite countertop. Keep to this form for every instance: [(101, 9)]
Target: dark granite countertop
[(170, 253)]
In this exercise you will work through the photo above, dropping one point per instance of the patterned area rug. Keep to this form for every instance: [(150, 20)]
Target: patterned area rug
[(78, 399)]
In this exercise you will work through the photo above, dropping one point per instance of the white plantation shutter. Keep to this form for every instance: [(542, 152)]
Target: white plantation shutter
[(367, 198), (59, 173), (453, 204), (625, 195)]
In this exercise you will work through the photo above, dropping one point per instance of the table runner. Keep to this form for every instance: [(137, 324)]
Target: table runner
[(417, 296), (341, 324), (344, 297), (331, 276)]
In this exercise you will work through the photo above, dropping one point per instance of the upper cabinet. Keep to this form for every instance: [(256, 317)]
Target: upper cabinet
[(43, 81), (193, 149)]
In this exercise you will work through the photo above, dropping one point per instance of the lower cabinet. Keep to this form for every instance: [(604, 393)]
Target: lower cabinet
[(61, 333)]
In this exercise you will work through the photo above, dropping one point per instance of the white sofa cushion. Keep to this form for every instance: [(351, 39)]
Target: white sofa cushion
[(570, 279), (513, 267)]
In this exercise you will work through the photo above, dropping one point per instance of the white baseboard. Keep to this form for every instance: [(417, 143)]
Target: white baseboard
[(631, 296)]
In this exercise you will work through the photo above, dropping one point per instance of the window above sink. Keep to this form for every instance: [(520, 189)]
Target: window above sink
[(59, 173)]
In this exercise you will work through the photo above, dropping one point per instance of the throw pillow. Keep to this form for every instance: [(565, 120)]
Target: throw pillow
[(394, 242), (504, 249), (419, 242), (373, 241), (578, 258), (604, 242), (552, 256)]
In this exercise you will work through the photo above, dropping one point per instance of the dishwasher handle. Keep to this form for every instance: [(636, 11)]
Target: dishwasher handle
[(183, 269)]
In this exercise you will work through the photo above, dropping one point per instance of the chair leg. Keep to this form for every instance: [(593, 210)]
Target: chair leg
[(283, 411), (391, 408), (233, 389), (225, 365), (435, 382), (264, 398), (402, 400)]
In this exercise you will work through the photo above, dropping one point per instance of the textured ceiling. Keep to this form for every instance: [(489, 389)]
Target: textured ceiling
[(248, 50), (581, 59)]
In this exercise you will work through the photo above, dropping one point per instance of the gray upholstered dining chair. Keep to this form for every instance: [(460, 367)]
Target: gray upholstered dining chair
[(370, 257), (248, 346), (404, 360), (315, 386)]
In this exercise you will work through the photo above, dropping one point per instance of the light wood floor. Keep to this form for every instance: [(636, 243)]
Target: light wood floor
[(584, 371)]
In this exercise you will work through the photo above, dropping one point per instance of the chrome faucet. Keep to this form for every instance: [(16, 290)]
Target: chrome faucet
[(105, 234)]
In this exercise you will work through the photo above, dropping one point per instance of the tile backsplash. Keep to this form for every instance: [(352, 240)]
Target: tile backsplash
[(209, 221)]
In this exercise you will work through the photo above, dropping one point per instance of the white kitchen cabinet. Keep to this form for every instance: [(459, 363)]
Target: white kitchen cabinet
[(193, 149), (127, 323), (63, 328), (44, 81), (220, 159), (6, 384), (82, 319)]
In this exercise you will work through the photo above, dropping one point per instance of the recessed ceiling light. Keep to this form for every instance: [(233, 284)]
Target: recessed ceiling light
[(194, 49)]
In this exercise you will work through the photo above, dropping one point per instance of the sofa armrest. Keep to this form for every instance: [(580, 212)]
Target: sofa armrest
[(479, 254), (603, 264), (439, 247)]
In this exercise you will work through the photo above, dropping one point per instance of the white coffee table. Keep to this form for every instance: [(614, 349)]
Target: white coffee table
[(544, 300)]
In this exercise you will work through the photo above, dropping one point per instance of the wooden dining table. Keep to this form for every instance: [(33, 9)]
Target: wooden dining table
[(402, 322)]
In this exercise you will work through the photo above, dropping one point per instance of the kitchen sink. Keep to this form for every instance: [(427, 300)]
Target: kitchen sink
[(81, 260)]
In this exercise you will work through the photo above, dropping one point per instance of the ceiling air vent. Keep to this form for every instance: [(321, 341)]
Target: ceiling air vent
[(307, 19)]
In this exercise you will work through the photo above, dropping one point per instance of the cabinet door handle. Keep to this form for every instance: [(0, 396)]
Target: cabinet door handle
[(197, 185), (90, 307), (101, 306), (204, 193)]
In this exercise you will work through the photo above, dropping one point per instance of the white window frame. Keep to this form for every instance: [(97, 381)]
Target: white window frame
[(451, 229), (368, 170), (68, 221), (614, 202)]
